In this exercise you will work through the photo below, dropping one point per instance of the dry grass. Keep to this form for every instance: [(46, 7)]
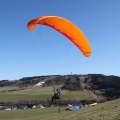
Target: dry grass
[(103, 111)]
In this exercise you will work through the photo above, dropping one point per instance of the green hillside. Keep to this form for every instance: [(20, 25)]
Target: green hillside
[(73, 87), (103, 111), (42, 94)]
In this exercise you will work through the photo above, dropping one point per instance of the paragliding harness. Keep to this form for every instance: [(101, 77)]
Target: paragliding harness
[(56, 95)]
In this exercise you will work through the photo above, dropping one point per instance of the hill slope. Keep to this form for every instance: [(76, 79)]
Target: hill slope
[(100, 87), (103, 111)]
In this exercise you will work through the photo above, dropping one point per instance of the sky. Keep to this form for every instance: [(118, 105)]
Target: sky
[(44, 51)]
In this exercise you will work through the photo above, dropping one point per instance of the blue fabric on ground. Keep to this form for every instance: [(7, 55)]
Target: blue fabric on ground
[(77, 107)]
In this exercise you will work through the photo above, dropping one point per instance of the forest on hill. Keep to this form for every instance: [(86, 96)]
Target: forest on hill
[(108, 86)]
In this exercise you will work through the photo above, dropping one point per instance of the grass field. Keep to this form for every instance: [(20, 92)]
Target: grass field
[(103, 111), (41, 94)]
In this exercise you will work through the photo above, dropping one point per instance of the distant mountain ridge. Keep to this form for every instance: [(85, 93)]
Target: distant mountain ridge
[(98, 81)]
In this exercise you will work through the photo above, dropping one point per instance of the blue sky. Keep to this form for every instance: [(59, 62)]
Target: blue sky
[(44, 51)]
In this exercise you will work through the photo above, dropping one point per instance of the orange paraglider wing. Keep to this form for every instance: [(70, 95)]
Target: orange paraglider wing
[(65, 27)]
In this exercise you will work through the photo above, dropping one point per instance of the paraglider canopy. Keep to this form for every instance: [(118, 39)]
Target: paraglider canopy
[(66, 28)]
